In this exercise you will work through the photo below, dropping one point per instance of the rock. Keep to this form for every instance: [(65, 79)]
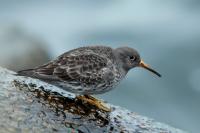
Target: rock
[(30, 105), (20, 50)]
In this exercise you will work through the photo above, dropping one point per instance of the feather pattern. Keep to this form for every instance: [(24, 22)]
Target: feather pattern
[(86, 70)]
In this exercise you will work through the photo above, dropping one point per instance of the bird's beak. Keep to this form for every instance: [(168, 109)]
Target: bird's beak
[(144, 65)]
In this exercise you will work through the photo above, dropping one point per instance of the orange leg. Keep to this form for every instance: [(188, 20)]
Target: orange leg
[(93, 101)]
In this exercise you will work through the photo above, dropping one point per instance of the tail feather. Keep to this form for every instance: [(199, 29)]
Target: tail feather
[(33, 74), (27, 72)]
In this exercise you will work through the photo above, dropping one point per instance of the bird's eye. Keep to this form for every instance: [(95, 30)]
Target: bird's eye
[(133, 58)]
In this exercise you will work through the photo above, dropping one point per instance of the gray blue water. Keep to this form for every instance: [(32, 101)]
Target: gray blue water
[(166, 33)]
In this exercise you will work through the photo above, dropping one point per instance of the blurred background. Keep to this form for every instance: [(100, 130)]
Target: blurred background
[(166, 33)]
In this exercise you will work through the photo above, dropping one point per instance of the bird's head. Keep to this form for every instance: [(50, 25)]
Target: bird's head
[(130, 58)]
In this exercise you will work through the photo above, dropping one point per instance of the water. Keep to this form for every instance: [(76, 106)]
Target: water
[(166, 33)]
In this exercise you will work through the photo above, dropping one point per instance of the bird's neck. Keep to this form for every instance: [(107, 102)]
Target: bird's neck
[(119, 63)]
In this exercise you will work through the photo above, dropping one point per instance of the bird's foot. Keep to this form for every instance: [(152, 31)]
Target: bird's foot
[(93, 101)]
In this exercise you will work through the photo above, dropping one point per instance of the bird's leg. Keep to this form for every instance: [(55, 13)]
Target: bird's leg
[(93, 101)]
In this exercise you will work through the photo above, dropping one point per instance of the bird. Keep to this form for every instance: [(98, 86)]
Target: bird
[(89, 70)]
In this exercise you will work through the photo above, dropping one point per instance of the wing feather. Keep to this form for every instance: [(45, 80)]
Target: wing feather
[(83, 68)]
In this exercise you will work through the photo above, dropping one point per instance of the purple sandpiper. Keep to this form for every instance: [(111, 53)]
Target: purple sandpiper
[(89, 70)]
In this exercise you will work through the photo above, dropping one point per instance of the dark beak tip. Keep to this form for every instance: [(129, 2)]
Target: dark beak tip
[(159, 75)]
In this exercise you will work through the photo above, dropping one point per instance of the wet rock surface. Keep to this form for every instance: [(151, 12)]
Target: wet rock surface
[(29, 105)]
